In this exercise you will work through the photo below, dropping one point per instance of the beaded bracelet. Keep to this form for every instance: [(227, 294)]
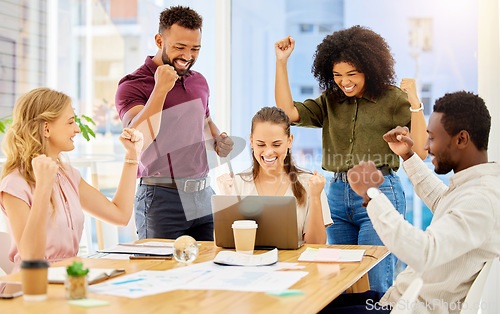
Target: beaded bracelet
[(132, 161)]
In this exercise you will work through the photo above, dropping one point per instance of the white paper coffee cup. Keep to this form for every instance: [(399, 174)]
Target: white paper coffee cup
[(244, 232)]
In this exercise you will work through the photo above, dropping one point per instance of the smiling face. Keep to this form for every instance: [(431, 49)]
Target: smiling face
[(270, 145), (61, 132), (180, 47), (440, 146), (349, 79)]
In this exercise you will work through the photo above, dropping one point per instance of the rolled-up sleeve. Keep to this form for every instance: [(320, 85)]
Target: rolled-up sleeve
[(312, 112)]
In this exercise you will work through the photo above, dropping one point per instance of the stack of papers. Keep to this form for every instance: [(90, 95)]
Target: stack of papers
[(151, 248), (331, 255)]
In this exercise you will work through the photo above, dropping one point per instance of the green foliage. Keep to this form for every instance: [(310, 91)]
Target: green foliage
[(4, 123), (84, 126), (76, 270)]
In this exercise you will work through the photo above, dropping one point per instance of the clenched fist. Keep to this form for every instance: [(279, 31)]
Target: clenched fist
[(223, 144), (364, 176), (284, 48), (316, 184), (225, 183), (165, 77), (132, 140), (408, 86), (45, 170), (399, 140)]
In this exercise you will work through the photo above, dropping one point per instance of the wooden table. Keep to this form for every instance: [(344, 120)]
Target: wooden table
[(324, 283)]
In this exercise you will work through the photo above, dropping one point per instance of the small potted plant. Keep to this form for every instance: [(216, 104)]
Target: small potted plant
[(76, 281)]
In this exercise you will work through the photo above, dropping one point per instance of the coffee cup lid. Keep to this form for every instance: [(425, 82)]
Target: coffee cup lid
[(244, 224), (35, 264)]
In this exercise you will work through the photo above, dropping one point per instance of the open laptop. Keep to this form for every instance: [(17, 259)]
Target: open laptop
[(276, 217)]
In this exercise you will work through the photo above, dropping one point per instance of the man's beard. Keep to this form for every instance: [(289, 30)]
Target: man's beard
[(443, 164), (180, 72)]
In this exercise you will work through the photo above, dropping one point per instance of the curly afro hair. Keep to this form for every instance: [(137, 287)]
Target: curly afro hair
[(361, 47), (182, 16), (465, 111)]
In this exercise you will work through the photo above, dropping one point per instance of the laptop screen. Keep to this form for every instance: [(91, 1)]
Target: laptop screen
[(276, 217)]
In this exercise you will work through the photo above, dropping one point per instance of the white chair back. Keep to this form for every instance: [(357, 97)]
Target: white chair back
[(5, 264), (403, 306), (476, 302)]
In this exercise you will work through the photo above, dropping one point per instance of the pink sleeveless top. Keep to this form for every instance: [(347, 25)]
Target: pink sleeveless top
[(64, 226)]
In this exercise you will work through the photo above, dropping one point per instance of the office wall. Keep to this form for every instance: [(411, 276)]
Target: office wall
[(488, 84)]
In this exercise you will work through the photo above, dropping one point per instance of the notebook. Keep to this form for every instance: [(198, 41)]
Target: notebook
[(276, 217)]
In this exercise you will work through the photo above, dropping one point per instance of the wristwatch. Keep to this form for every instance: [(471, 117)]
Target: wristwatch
[(373, 192)]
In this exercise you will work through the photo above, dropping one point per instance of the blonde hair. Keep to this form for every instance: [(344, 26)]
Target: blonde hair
[(24, 139)]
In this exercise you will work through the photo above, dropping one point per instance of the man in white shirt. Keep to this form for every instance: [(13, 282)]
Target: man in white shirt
[(465, 230)]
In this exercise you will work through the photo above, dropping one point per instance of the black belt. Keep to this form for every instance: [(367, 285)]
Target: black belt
[(186, 185), (342, 176)]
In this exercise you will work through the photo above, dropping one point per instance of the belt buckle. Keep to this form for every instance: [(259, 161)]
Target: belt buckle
[(192, 185), (341, 176)]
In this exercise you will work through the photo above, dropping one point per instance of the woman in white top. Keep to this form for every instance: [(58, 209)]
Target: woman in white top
[(274, 173)]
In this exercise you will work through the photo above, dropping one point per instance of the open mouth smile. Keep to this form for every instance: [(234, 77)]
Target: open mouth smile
[(269, 161), (349, 89)]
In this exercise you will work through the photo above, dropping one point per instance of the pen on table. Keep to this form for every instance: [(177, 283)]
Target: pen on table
[(168, 245), (156, 257)]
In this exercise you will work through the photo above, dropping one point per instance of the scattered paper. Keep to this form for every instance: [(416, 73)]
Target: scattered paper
[(331, 255), (232, 258), (203, 276), (281, 265)]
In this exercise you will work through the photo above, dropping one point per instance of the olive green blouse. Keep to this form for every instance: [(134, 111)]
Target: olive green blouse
[(353, 127)]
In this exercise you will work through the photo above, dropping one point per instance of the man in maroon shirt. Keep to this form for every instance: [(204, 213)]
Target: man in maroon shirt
[(168, 102)]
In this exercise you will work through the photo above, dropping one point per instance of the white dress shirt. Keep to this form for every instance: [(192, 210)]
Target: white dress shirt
[(464, 234)]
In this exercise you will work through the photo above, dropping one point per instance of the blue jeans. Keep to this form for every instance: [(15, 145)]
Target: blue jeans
[(160, 212), (351, 224)]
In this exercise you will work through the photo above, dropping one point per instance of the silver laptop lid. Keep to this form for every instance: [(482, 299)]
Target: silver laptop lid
[(276, 217)]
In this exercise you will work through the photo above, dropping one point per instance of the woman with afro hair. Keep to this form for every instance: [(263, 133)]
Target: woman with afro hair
[(359, 105)]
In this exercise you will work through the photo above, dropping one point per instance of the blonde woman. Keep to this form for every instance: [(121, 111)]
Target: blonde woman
[(42, 196)]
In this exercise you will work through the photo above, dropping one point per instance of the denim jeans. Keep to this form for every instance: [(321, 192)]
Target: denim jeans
[(351, 224), (160, 212)]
